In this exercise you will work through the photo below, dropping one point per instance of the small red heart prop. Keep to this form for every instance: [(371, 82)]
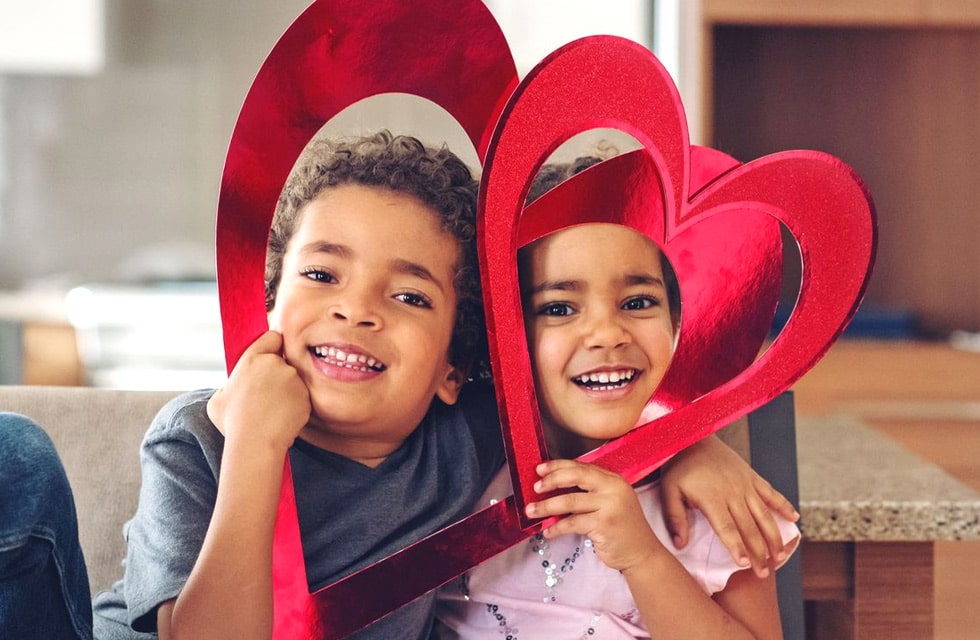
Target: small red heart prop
[(336, 54)]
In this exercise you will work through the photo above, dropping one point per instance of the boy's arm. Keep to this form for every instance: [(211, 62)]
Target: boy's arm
[(737, 501), (229, 591)]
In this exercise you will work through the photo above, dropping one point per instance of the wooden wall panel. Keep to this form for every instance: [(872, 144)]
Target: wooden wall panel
[(900, 105)]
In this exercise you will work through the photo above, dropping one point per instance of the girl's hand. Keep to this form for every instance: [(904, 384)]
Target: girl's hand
[(606, 511), (737, 501), (264, 401)]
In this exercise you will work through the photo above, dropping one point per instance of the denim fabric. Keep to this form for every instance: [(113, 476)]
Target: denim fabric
[(44, 592)]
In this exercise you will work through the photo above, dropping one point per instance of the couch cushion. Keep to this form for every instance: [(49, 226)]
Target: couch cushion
[(97, 433)]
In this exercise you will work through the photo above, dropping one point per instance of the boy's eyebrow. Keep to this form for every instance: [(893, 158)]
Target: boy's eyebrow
[(415, 269), (319, 246), (398, 264)]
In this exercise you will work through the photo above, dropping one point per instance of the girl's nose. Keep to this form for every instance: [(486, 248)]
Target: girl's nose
[(604, 331)]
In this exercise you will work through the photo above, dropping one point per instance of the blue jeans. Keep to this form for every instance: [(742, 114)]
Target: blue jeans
[(44, 590)]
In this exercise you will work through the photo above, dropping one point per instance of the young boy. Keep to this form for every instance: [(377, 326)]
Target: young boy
[(375, 316)]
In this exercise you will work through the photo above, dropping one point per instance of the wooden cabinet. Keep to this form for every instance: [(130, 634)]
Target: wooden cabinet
[(890, 86)]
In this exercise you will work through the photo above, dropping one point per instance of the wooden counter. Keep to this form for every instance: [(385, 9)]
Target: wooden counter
[(871, 514)]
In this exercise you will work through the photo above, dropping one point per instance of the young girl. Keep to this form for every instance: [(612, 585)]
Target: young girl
[(601, 330)]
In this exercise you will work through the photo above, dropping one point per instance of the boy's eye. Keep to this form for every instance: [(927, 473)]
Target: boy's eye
[(640, 303), (414, 299), (318, 275), (556, 309)]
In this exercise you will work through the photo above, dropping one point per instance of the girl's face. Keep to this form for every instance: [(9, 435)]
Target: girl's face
[(599, 329)]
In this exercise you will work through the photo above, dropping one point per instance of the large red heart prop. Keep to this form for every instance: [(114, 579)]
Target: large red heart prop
[(333, 56)]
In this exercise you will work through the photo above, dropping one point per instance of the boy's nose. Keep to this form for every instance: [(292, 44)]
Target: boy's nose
[(355, 310)]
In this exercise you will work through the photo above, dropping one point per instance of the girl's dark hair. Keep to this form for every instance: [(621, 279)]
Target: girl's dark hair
[(436, 177), (552, 174)]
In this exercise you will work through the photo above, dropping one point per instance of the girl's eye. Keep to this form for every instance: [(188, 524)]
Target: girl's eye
[(318, 275), (556, 309), (414, 299), (639, 303)]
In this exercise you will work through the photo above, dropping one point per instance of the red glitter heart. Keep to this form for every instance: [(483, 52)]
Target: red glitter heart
[(603, 81)]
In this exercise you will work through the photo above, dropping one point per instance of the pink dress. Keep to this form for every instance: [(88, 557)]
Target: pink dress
[(559, 589)]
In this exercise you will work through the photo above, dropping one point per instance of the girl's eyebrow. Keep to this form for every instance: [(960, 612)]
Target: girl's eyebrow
[(634, 279), (631, 279), (555, 285)]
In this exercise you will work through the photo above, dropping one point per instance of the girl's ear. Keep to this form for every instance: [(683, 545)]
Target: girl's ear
[(450, 385)]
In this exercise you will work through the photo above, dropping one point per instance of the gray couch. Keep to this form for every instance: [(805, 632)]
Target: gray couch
[(97, 433)]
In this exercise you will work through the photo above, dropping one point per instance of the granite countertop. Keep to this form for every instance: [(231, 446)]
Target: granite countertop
[(856, 484)]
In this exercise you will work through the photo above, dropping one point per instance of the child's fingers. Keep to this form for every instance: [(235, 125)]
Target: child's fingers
[(675, 516), (268, 342), (721, 520), (566, 474), (776, 501), (768, 528), (560, 505), (753, 539), (573, 524)]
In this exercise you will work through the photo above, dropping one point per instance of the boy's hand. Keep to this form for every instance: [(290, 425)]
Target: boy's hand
[(606, 510), (737, 501), (264, 400)]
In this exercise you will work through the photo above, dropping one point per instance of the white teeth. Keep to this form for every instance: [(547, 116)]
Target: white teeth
[(606, 377), (348, 360)]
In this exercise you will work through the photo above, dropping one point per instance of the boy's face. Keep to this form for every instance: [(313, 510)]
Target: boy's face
[(366, 307), (599, 330)]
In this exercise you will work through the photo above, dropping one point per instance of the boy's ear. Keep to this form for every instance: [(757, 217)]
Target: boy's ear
[(450, 385)]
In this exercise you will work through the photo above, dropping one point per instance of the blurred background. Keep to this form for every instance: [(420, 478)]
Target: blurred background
[(115, 117)]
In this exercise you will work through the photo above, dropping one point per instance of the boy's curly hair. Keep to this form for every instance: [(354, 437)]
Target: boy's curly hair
[(436, 177)]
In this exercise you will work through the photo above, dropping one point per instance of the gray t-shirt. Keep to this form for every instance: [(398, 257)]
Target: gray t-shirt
[(350, 515)]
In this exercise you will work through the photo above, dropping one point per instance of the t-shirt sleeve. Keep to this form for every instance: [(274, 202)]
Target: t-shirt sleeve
[(179, 487)]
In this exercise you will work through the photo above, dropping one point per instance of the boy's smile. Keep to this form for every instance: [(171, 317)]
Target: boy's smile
[(599, 330), (346, 362), (366, 307)]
